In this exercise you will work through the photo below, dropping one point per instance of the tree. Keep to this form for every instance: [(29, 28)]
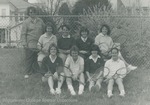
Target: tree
[(50, 6), (64, 9), (82, 5)]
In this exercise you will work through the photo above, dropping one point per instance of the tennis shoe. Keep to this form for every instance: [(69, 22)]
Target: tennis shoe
[(81, 90), (122, 93), (26, 76), (131, 67), (72, 92), (52, 91), (109, 94), (58, 91)]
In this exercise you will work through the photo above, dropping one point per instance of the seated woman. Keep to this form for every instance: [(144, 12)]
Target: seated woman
[(44, 42), (65, 42), (92, 64), (84, 43), (49, 66), (76, 65), (114, 64), (105, 43)]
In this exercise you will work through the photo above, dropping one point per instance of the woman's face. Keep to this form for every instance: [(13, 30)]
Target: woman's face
[(74, 55), (49, 29), (32, 13), (94, 54), (104, 31), (65, 31), (114, 54), (84, 34), (53, 51)]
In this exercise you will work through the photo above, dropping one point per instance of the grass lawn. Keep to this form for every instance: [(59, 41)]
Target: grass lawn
[(15, 90)]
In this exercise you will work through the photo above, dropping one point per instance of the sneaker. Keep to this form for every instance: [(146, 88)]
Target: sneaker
[(58, 91), (130, 67), (80, 92), (81, 89), (73, 93), (109, 94), (71, 89), (52, 91), (26, 76), (91, 84), (122, 93)]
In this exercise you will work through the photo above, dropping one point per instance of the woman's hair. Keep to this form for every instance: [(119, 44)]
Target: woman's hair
[(115, 49), (31, 8), (108, 28), (75, 49), (83, 29), (49, 25), (95, 48), (53, 45), (64, 25)]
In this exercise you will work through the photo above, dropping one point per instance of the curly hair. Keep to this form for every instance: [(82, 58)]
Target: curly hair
[(106, 26), (53, 45), (64, 25), (48, 24), (75, 49), (31, 8)]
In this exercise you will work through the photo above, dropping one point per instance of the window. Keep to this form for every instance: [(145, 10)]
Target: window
[(21, 18), (3, 12), (2, 35)]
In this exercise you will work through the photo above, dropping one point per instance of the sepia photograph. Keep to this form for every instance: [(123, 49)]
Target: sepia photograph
[(74, 52)]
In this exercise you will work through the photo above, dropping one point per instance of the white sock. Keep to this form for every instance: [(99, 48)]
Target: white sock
[(81, 87), (70, 87), (109, 92)]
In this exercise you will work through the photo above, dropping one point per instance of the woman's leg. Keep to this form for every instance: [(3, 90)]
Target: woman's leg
[(110, 88), (119, 82), (51, 85), (70, 87), (60, 83), (81, 86)]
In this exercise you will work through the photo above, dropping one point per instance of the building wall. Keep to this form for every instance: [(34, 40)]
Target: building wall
[(4, 11)]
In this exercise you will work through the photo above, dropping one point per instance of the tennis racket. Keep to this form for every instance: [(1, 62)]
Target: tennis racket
[(97, 74), (120, 73), (70, 74)]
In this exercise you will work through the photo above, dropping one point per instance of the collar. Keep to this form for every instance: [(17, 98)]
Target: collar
[(45, 35), (33, 20), (103, 35), (67, 36), (115, 61), (76, 60), (94, 59), (52, 60), (83, 39)]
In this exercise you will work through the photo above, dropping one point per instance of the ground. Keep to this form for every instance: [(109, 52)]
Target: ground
[(15, 90)]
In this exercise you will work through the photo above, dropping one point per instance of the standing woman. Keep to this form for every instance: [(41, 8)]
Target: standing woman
[(45, 41), (105, 43), (32, 29)]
